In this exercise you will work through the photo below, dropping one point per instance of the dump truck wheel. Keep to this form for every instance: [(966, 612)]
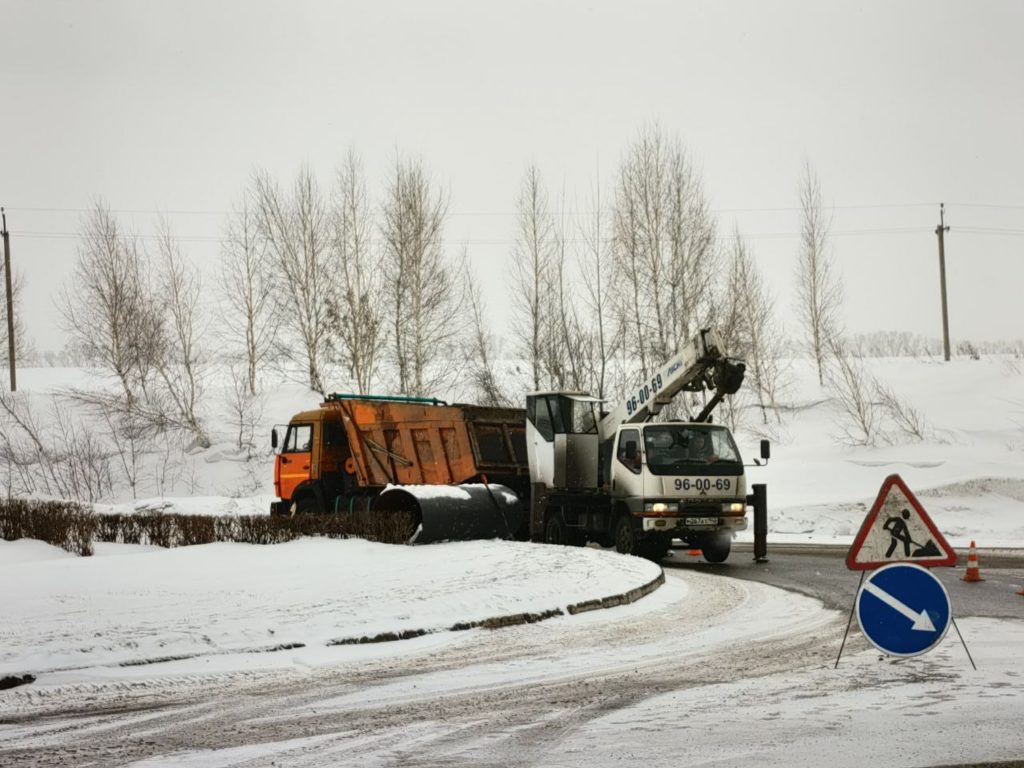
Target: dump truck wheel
[(558, 531), (555, 529), (625, 536), (307, 506)]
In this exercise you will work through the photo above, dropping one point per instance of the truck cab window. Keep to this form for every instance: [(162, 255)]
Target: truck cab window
[(584, 419), (299, 439), (538, 413), (629, 450)]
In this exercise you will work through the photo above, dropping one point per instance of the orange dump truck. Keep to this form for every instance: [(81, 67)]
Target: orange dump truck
[(462, 468)]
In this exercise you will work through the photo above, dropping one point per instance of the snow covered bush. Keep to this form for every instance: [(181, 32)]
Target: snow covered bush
[(852, 387), (50, 454), (901, 414)]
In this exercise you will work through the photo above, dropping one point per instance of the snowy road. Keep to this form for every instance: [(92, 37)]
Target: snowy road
[(482, 697), (707, 670)]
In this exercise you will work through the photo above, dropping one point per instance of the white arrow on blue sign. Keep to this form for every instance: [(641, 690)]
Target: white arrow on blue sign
[(903, 609)]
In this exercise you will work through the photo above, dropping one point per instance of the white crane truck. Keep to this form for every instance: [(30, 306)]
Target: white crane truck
[(622, 480)]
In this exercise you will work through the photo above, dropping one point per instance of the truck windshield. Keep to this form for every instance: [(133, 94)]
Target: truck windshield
[(679, 449)]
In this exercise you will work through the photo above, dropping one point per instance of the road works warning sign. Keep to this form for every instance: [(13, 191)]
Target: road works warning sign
[(898, 530)]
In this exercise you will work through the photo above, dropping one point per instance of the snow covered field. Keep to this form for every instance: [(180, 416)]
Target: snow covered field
[(219, 611)]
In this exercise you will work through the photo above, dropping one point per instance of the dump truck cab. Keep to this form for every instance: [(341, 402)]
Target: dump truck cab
[(309, 468)]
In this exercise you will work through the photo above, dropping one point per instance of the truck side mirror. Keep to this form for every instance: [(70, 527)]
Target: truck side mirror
[(766, 449), (273, 438)]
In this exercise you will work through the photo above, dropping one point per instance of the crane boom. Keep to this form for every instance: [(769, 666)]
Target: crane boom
[(700, 364)]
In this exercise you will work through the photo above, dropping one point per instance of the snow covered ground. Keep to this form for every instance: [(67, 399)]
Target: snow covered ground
[(210, 610), (68, 619), (220, 610)]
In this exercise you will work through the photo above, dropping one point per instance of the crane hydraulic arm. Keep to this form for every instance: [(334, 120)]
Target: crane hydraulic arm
[(699, 365)]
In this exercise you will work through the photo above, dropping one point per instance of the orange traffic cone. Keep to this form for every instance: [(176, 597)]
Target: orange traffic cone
[(973, 572), (694, 552), (1020, 591)]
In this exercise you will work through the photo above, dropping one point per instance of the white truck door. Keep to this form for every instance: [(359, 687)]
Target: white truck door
[(627, 465)]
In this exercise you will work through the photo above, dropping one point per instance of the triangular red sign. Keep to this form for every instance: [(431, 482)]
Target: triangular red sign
[(898, 530)]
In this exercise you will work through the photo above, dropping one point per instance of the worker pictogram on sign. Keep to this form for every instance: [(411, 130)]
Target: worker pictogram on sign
[(897, 529)]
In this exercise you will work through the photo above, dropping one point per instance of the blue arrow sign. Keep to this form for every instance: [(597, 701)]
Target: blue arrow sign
[(903, 609)]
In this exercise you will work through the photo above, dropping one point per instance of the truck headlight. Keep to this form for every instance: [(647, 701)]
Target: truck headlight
[(736, 506), (661, 506)]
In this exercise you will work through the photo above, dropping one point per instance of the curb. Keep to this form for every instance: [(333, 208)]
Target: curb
[(497, 622)]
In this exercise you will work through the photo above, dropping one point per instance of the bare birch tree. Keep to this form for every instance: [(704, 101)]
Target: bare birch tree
[(181, 366), (246, 409), (749, 329), (818, 291), (566, 343), (664, 241), (533, 264), (24, 349), (105, 308), (596, 267), (482, 370), (694, 259), (296, 230), (423, 293), (356, 310), (251, 315)]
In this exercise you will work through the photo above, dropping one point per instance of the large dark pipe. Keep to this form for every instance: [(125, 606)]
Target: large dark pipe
[(455, 512)]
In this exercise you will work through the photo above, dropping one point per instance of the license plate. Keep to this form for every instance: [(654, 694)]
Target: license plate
[(701, 521)]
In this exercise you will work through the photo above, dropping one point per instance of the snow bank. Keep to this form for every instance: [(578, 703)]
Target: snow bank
[(132, 606)]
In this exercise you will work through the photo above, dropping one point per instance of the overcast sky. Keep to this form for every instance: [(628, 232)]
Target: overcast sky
[(170, 106)]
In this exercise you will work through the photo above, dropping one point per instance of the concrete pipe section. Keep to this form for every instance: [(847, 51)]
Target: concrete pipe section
[(455, 512)]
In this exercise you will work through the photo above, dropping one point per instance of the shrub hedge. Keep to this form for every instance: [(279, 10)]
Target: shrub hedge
[(74, 527), (65, 524)]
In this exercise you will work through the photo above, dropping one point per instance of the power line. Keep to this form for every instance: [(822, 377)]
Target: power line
[(991, 231), (755, 209), (122, 211), (502, 241), (988, 205)]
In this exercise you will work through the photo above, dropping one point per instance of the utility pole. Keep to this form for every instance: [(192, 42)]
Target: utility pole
[(940, 230), (10, 302)]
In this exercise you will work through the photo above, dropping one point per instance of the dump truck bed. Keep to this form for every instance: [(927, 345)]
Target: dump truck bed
[(414, 443)]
